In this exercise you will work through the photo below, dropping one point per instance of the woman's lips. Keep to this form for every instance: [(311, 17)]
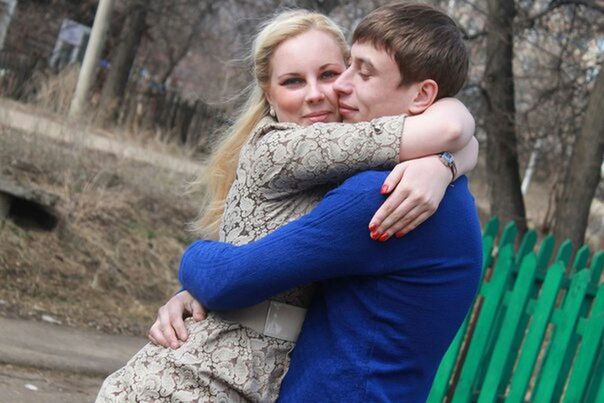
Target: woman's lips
[(317, 116)]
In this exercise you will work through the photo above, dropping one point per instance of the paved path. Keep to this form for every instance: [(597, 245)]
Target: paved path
[(44, 345), (32, 385), (43, 362)]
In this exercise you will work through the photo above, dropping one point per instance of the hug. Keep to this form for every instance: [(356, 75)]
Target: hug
[(341, 246)]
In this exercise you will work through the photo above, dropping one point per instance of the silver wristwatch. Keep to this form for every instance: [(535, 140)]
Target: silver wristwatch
[(449, 161)]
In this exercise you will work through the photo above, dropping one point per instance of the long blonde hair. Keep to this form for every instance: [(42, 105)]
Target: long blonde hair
[(222, 165)]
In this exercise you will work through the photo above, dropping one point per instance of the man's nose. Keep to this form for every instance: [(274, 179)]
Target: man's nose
[(342, 85), (315, 93)]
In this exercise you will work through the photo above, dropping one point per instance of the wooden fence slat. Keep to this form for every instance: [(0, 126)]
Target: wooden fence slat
[(491, 228), (508, 235), (447, 365), (498, 369), (542, 313), (581, 258), (597, 263), (600, 396), (482, 332), (595, 385), (545, 252), (552, 375), (592, 330), (526, 246), (564, 252)]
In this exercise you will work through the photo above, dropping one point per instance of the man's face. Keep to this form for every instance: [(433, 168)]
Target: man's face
[(370, 87)]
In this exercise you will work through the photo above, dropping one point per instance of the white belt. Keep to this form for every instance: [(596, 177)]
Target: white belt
[(270, 318)]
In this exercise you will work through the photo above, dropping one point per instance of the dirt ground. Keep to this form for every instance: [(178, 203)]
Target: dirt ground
[(31, 385), (112, 258)]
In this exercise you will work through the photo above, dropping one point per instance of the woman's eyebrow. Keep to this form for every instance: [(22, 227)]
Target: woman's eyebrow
[(326, 65), (288, 75)]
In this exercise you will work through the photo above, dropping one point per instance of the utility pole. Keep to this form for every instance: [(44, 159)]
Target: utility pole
[(7, 9), (91, 57)]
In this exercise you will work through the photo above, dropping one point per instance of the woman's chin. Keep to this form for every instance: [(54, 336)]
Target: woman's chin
[(329, 118)]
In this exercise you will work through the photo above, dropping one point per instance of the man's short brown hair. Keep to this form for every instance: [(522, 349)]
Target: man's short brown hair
[(424, 42)]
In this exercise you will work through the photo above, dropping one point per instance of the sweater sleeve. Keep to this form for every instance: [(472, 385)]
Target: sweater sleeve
[(290, 158), (331, 241)]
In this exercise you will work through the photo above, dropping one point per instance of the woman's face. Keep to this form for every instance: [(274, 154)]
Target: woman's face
[(303, 70)]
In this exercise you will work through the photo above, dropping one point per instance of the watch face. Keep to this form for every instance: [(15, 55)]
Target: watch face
[(447, 158)]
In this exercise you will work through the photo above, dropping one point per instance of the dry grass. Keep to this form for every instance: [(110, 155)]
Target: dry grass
[(113, 258), (56, 91), (54, 95)]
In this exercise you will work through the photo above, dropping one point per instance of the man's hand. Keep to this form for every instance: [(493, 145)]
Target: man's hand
[(169, 327), (416, 188)]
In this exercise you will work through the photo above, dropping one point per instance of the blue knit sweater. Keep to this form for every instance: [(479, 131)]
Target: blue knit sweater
[(385, 313)]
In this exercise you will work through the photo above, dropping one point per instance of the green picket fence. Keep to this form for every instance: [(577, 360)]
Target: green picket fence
[(535, 332)]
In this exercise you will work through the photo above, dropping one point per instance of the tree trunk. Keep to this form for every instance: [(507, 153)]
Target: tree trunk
[(583, 174), (7, 9), (117, 78), (91, 57), (502, 155)]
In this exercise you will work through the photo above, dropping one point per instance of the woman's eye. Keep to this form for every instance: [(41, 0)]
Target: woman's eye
[(292, 81), (330, 74)]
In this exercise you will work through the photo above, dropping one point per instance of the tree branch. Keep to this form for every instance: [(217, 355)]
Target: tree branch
[(554, 4)]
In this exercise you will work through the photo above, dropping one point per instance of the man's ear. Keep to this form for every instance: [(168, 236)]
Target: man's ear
[(426, 94)]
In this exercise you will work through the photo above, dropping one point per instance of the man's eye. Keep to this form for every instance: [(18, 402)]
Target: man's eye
[(364, 76), (329, 74), (292, 81)]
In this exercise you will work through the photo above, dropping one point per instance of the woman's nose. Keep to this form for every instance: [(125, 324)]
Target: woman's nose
[(315, 93)]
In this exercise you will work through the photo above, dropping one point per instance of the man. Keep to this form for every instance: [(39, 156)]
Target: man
[(387, 311)]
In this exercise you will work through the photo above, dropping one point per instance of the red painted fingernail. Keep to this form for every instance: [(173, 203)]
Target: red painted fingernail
[(384, 189), (399, 234), (372, 227), (375, 235), (384, 237)]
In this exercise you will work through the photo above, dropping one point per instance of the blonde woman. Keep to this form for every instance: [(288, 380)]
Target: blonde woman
[(276, 163)]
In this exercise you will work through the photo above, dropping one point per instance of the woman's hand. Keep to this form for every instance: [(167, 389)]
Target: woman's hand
[(169, 327), (416, 188)]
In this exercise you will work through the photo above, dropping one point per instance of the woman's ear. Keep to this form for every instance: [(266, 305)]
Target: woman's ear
[(426, 95), (267, 96), (271, 109)]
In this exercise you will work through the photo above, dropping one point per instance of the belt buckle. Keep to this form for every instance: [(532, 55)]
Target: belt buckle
[(284, 321)]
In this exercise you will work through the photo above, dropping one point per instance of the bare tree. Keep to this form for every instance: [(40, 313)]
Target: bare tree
[(178, 27), (502, 154), (583, 174), (121, 64)]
